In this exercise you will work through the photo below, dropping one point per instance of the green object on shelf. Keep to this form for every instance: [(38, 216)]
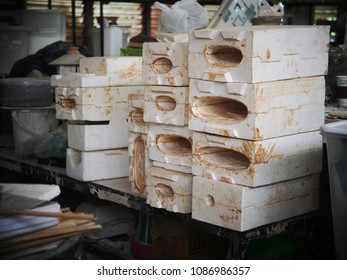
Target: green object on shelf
[(283, 246), (131, 52), (145, 229)]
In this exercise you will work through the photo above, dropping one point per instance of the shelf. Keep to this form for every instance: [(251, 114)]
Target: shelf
[(118, 191)]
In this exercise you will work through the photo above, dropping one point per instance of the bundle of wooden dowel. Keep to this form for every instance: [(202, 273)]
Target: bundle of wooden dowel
[(70, 224)]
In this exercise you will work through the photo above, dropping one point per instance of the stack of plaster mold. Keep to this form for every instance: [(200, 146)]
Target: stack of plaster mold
[(95, 104), (257, 102), (169, 140), (139, 161)]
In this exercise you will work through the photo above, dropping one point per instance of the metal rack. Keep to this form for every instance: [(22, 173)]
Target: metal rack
[(118, 191)]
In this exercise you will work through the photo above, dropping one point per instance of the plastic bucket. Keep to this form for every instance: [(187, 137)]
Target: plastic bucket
[(28, 124), (336, 141)]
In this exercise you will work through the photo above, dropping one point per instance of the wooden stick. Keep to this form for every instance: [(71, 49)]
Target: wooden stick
[(65, 215), (49, 232), (38, 242)]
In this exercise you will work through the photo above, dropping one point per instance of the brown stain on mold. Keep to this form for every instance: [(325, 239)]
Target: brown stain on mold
[(139, 164)]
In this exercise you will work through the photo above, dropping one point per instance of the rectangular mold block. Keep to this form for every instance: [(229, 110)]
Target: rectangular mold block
[(91, 136), (241, 208), (96, 165), (166, 105), (256, 163), (254, 54), (170, 144), (170, 190), (94, 104), (120, 70), (257, 111), (165, 63), (139, 162), (136, 121)]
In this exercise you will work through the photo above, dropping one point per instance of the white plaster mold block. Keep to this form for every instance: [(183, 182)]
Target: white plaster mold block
[(94, 104), (254, 54), (241, 208), (166, 105), (173, 167), (165, 63), (170, 144), (91, 136), (139, 163), (136, 121), (257, 111), (96, 165), (79, 80), (169, 190), (256, 163), (120, 70)]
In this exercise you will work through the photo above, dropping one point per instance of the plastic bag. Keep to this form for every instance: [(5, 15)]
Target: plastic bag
[(183, 16)]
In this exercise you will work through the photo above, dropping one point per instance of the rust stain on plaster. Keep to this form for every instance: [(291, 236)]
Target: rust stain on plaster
[(139, 164)]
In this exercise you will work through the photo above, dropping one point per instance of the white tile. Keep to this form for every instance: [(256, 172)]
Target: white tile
[(166, 105), (242, 208), (256, 163), (170, 144), (91, 136), (165, 63), (257, 111), (258, 53), (169, 190), (96, 165)]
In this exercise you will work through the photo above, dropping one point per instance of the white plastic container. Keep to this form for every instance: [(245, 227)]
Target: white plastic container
[(336, 141), (113, 40), (46, 27)]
